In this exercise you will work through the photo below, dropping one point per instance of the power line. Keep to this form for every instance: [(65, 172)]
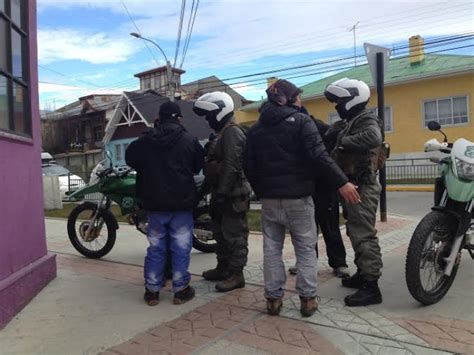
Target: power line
[(138, 30), (180, 28), (331, 38), (238, 85), (429, 44), (189, 31)]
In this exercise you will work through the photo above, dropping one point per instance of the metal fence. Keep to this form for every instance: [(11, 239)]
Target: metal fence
[(411, 171), (75, 184), (399, 171)]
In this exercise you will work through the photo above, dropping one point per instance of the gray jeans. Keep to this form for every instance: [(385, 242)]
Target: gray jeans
[(296, 215)]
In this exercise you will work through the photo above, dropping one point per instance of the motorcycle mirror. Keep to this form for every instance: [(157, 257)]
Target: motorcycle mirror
[(434, 126)]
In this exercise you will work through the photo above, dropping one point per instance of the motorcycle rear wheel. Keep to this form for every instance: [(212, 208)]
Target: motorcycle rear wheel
[(78, 222), (425, 252)]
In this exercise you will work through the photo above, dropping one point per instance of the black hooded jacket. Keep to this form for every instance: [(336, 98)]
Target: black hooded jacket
[(283, 152), (166, 159)]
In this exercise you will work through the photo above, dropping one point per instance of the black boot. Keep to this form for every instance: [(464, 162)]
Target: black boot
[(236, 280), (367, 295), (218, 274), (355, 281)]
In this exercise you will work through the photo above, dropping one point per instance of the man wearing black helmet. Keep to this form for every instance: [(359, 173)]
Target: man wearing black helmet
[(230, 190), (357, 139)]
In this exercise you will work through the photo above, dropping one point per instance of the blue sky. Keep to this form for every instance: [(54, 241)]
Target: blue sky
[(85, 47)]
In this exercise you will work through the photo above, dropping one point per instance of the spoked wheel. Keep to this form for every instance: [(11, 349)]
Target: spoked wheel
[(203, 236), (92, 237), (424, 270)]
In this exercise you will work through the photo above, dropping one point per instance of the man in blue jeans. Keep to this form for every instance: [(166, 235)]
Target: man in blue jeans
[(166, 159)]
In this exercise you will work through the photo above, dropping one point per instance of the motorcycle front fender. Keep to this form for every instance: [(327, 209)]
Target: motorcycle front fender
[(463, 218)]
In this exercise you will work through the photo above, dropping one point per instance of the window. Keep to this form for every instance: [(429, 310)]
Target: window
[(98, 133), (14, 77), (334, 117), (118, 152), (446, 111)]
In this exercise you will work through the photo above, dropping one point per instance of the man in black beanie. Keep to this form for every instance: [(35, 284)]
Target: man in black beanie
[(166, 159), (283, 151)]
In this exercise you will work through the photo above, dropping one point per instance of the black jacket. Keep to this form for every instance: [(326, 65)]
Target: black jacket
[(283, 151), (166, 159)]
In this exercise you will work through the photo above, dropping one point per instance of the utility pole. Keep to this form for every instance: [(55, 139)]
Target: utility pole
[(170, 86), (353, 29)]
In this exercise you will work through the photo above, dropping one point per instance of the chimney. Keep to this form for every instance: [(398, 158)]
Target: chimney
[(417, 49), (271, 80)]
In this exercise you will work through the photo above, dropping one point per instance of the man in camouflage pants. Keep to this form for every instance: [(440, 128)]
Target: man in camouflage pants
[(230, 191), (357, 139)]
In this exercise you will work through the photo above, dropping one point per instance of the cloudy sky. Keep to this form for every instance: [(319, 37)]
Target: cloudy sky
[(85, 46)]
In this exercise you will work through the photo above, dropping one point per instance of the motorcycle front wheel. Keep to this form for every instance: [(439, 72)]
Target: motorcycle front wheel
[(93, 241), (424, 269)]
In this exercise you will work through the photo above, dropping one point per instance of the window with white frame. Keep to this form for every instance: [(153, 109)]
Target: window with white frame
[(334, 117), (14, 76), (446, 111)]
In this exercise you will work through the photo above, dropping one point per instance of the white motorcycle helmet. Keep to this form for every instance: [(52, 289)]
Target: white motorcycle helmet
[(351, 96), (217, 107)]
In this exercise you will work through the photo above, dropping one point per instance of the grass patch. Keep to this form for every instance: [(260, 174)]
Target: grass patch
[(254, 220), (68, 207), (253, 216)]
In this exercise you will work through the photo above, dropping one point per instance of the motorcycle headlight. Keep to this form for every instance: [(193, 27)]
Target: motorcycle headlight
[(465, 170)]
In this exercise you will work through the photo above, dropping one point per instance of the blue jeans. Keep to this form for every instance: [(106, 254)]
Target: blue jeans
[(171, 231)]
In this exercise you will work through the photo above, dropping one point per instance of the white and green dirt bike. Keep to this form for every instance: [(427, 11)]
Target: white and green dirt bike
[(92, 226), (434, 252)]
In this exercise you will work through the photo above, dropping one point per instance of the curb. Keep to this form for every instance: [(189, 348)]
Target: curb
[(411, 188)]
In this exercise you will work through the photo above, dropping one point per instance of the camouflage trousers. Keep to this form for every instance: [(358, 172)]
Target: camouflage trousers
[(360, 227), (231, 233)]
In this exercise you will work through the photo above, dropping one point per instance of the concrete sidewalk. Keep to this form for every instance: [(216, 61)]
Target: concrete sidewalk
[(96, 306)]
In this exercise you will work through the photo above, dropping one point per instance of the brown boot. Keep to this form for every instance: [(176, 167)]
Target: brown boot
[(217, 274), (274, 306), (308, 306), (236, 280)]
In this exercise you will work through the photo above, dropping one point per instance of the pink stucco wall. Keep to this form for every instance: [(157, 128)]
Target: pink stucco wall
[(25, 265)]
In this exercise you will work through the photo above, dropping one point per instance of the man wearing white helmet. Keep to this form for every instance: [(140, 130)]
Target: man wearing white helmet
[(357, 139), (230, 190)]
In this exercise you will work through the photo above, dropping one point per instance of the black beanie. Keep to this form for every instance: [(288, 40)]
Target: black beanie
[(282, 92), (169, 110)]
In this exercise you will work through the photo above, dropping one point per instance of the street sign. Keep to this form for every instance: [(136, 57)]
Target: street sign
[(371, 51)]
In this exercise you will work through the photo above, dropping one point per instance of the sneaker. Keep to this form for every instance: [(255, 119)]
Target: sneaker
[(342, 272), (308, 306), (183, 296), (217, 274), (151, 298), (293, 270), (367, 295), (355, 281), (235, 281), (274, 306)]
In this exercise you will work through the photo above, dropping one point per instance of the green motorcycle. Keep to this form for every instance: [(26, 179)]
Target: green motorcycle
[(434, 252), (92, 227)]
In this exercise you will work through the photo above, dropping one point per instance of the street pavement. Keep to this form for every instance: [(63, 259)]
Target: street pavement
[(96, 306)]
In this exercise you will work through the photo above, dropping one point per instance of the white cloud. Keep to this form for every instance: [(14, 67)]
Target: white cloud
[(68, 44)]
